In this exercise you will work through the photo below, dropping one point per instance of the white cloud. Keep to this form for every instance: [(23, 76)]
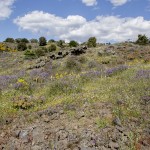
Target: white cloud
[(89, 2), (5, 8), (118, 2), (104, 28)]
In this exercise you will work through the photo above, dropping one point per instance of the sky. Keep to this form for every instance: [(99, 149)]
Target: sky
[(107, 20)]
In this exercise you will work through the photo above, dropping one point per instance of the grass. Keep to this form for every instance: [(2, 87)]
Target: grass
[(102, 122), (105, 89), (74, 84)]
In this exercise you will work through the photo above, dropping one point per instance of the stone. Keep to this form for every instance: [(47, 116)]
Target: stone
[(80, 114), (16, 133), (36, 147), (113, 145), (62, 134), (46, 118), (2, 141), (24, 136), (38, 136), (59, 53), (117, 121)]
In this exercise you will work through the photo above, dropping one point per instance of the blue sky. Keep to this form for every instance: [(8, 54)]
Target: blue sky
[(107, 20)]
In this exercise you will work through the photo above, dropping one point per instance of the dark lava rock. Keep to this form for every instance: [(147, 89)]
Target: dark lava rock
[(78, 51), (59, 53), (52, 57)]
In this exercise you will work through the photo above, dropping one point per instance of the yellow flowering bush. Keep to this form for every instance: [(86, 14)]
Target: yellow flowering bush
[(22, 85), (3, 47)]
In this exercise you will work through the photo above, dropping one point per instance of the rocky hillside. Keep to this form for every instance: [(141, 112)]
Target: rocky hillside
[(76, 99)]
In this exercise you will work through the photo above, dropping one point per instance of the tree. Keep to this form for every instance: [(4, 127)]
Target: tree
[(10, 40), (24, 40), (73, 43), (21, 46), (142, 39), (91, 42), (18, 40), (42, 41), (60, 43), (51, 41), (34, 41)]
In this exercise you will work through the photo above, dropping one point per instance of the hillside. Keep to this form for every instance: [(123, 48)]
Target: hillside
[(75, 98)]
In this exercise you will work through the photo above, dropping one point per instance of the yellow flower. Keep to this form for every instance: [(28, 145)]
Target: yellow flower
[(21, 80)]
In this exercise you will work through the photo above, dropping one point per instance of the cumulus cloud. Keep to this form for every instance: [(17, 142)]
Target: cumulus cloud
[(104, 28), (89, 2), (118, 2), (5, 8)]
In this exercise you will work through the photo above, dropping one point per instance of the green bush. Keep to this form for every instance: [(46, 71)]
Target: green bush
[(39, 52), (91, 42), (52, 48), (21, 46), (73, 44), (29, 54), (29, 47), (73, 64)]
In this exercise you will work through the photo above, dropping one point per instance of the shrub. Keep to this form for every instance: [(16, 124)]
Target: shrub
[(63, 86), (73, 44), (91, 42), (21, 46), (42, 41), (29, 47), (39, 52), (29, 54), (2, 47), (22, 102), (92, 64), (10, 40), (52, 48), (82, 59), (142, 39), (26, 102), (73, 64), (23, 86), (147, 59), (130, 56)]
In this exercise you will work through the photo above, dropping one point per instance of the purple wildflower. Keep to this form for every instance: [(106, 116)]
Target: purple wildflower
[(112, 71), (143, 74)]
